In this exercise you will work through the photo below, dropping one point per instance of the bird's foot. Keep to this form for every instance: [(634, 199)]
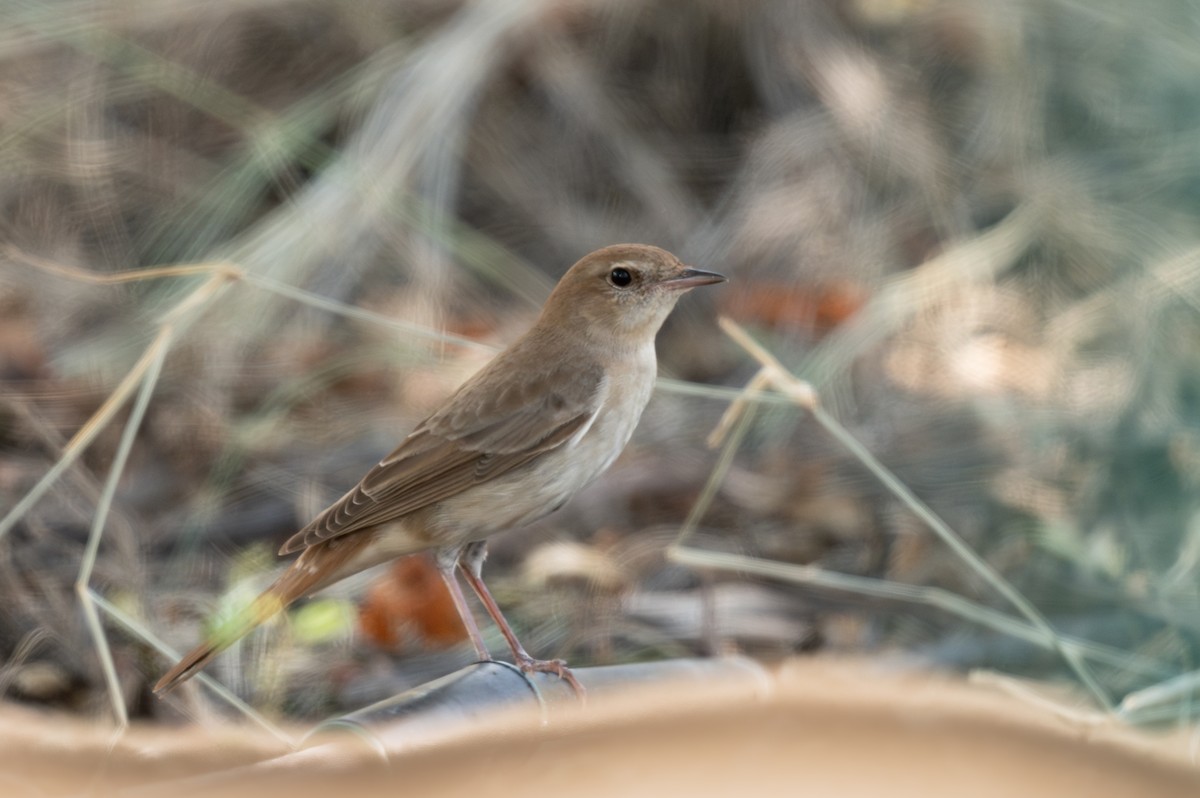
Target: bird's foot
[(556, 666)]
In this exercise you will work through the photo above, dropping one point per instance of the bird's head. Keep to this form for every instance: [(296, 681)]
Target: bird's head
[(625, 291)]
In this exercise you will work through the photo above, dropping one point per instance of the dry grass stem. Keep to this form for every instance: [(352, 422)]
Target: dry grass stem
[(786, 383)]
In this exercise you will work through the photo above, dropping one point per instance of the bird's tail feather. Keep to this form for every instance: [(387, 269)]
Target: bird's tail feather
[(320, 565), (258, 612)]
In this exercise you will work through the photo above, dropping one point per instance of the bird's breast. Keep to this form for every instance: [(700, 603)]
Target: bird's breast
[(530, 492)]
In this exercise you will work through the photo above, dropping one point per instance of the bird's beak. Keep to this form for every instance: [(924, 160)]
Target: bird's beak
[(690, 278)]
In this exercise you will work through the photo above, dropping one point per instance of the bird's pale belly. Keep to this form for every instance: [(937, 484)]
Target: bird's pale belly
[(528, 493)]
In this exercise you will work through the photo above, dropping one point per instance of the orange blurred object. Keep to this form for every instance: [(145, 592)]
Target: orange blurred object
[(410, 606), (786, 305)]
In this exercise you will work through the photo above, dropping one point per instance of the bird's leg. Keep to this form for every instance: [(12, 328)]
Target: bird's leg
[(447, 563), (471, 564)]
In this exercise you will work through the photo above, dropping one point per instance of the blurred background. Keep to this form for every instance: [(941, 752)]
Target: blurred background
[(971, 225)]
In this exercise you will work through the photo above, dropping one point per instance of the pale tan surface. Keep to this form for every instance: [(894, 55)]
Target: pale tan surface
[(820, 728)]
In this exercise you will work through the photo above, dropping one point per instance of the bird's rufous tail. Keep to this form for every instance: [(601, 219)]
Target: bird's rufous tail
[(260, 610), (319, 566)]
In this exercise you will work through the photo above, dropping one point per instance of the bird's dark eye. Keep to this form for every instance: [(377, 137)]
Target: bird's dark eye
[(620, 277)]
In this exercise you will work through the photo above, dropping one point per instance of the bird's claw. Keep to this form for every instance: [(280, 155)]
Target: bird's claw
[(558, 667)]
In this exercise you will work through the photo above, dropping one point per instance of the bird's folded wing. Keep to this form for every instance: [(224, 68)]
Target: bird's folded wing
[(479, 435)]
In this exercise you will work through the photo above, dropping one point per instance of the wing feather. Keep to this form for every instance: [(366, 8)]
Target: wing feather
[(478, 436)]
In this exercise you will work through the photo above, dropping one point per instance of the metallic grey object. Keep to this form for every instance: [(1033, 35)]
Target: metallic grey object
[(411, 718)]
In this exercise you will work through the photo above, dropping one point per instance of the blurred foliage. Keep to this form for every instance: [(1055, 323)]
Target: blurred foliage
[(971, 224)]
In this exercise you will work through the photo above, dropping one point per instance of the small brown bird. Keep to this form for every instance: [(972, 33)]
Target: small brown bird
[(514, 443)]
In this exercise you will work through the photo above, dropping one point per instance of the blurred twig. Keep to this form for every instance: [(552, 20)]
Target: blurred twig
[(804, 396), (100, 419), (143, 377), (100, 517), (936, 597), (139, 630), (978, 260)]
